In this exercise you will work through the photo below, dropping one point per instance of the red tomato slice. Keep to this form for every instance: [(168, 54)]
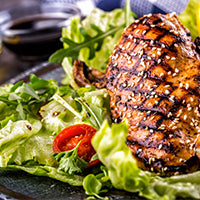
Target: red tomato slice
[(69, 137)]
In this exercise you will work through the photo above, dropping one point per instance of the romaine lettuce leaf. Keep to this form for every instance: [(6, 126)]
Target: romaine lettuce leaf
[(56, 117), (52, 172), (109, 143), (188, 17), (36, 149), (13, 135)]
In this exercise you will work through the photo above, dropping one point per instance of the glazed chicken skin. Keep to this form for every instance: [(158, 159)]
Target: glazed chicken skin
[(153, 79)]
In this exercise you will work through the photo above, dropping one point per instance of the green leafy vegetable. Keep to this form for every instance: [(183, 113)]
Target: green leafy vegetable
[(93, 39), (70, 162), (109, 143), (95, 185), (26, 98), (188, 17), (12, 136), (92, 43), (52, 172)]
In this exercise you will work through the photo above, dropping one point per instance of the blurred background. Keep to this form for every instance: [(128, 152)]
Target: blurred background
[(28, 40)]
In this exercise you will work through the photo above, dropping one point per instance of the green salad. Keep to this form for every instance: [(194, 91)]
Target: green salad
[(33, 114)]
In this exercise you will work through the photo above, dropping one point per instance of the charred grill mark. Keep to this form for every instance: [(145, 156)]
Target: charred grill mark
[(152, 102)]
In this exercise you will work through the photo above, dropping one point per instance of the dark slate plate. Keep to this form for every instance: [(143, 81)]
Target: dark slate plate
[(23, 186)]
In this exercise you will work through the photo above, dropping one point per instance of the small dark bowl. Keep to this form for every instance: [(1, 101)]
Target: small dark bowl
[(35, 32)]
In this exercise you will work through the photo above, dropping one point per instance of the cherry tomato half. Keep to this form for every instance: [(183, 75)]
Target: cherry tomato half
[(69, 137)]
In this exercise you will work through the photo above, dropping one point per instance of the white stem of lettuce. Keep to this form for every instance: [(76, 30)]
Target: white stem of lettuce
[(90, 110), (60, 100)]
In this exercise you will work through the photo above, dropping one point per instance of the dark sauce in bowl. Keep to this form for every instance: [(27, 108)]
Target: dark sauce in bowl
[(35, 36)]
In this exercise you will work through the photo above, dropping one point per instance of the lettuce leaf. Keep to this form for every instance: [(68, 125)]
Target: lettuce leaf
[(13, 136), (188, 17), (52, 172), (110, 145), (92, 39)]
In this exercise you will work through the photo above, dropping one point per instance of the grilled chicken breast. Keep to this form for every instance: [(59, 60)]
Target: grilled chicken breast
[(153, 79)]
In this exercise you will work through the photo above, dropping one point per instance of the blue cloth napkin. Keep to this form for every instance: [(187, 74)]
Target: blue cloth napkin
[(140, 7)]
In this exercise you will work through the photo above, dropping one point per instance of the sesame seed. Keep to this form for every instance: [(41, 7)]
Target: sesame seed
[(167, 57), (162, 45), (151, 130), (144, 32), (145, 76), (152, 42), (165, 169), (174, 74), (162, 74), (159, 53), (135, 106), (148, 112), (172, 98), (188, 105), (145, 45), (169, 72), (191, 146), (130, 36), (128, 45), (176, 45), (136, 21), (169, 114), (124, 84), (189, 108), (134, 40), (152, 25), (160, 146), (159, 61), (174, 127), (134, 100), (187, 86), (176, 70), (167, 92), (156, 102), (132, 84), (162, 24), (137, 31), (152, 169), (149, 15), (144, 21), (173, 58), (191, 99), (129, 115), (125, 108), (180, 84)]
